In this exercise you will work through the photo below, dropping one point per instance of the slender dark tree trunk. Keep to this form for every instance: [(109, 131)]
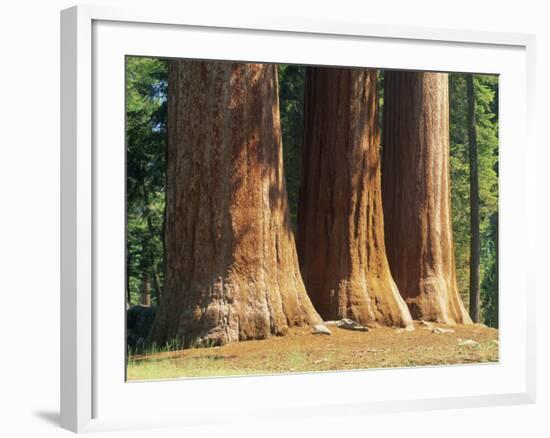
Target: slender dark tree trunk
[(475, 245), (416, 194), (157, 284), (145, 269), (340, 223), (231, 265)]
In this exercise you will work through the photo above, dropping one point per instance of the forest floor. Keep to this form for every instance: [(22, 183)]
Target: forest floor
[(302, 351)]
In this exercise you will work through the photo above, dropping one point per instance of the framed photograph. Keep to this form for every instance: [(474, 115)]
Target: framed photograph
[(317, 218)]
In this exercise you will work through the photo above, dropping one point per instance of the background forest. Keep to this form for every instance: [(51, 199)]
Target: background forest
[(146, 136)]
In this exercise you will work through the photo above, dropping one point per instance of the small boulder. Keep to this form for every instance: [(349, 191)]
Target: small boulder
[(409, 328), (442, 330), (350, 324), (321, 329), (468, 343)]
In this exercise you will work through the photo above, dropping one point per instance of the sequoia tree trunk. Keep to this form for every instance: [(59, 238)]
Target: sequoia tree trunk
[(475, 242), (340, 223), (231, 265), (416, 194)]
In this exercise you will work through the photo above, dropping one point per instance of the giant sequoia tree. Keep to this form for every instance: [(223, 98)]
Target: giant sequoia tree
[(416, 194), (340, 223), (231, 265)]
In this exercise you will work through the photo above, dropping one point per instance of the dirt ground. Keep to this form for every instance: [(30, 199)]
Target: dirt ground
[(302, 351)]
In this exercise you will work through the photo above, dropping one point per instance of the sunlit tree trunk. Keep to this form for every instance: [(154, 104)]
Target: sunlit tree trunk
[(340, 222), (146, 290), (231, 264), (416, 194)]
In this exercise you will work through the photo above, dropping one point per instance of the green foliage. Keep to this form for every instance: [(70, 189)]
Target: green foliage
[(486, 89), (489, 284), (146, 88), (380, 84), (291, 104)]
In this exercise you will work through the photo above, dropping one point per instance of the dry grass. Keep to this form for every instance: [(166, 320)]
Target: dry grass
[(302, 351)]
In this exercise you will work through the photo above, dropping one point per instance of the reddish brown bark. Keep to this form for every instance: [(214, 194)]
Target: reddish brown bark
[(416, 194), (231, 265), (341, 227)]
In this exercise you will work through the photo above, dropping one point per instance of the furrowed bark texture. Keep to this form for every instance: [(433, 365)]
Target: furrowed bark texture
[(416, 194), (231, 265), (341, 227)]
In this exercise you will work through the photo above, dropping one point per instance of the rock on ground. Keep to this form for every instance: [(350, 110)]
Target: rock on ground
[(350, 324), (321, 329), (467, 343), (442, 330)]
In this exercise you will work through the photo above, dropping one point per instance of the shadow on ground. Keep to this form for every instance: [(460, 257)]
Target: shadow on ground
[(51, 417)]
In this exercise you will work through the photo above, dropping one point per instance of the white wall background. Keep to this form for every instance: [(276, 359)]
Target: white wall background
[(29, 216)]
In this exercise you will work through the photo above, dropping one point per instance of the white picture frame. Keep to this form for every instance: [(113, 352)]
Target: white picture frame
[(94, 41)]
